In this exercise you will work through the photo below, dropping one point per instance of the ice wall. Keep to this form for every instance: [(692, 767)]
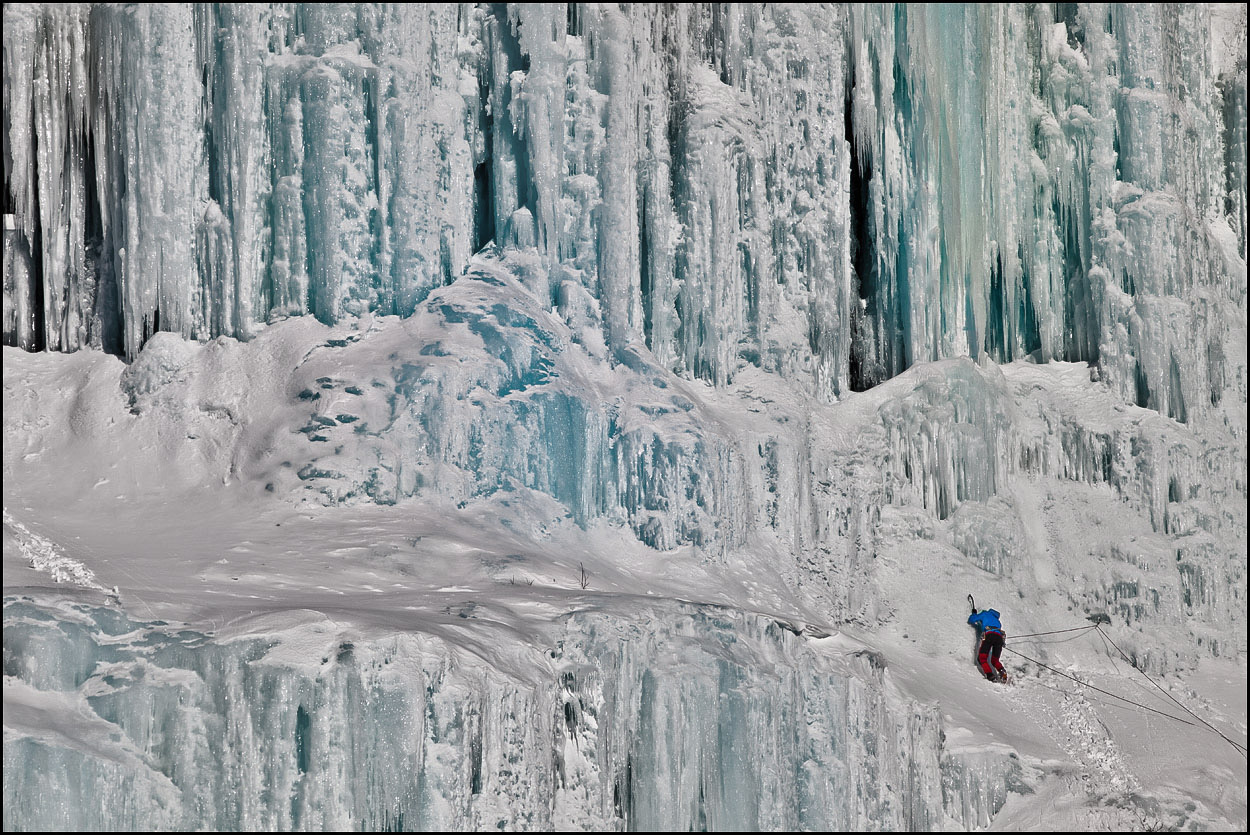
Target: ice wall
[(198, 169), (1046, 182), (684, 718), (831, 193), (583, 214)]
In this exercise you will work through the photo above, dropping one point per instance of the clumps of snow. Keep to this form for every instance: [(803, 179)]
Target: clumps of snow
[(42, 555), (165, 359)]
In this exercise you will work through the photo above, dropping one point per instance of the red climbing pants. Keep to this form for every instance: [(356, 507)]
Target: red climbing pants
[(991, 648)]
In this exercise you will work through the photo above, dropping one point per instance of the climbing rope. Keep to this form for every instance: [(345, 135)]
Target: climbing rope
[(1099, 689), (1241, 749), (1053, 632)]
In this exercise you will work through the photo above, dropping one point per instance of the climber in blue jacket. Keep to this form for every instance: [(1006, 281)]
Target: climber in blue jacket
[(990, 628)]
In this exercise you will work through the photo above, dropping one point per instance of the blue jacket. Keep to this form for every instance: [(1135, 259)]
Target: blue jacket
[(986, 621)]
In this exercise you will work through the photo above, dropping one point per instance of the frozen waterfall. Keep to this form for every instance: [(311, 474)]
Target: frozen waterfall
[(829, 193), (354, 329), (686, 718)]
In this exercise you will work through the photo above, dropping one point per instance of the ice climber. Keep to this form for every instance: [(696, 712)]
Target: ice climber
[(990, 630)]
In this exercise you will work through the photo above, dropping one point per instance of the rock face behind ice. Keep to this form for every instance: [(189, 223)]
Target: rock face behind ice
[(684, 718)]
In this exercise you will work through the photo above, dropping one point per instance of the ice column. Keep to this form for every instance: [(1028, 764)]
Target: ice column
[(150, 171), (51, 231)]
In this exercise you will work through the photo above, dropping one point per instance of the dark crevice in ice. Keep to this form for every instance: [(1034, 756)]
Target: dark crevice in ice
[(996, 316), (509, 52), (1080, 311), (1069, 15), (1030, 334), (99, 259), (677, 136), (303, 727), (484, 172), (1176, 399), (483, 205), (1232, 90), (644, 267), (865, 365), (38, 334), (1142, 387)]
